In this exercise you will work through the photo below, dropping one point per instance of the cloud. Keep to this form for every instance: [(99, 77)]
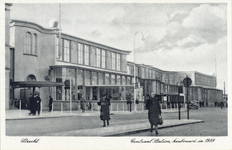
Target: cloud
[(207, 21), (178, 15), (190, 41), (173, 28)]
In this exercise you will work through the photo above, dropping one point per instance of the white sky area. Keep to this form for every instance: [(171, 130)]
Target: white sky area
[(178, 37)]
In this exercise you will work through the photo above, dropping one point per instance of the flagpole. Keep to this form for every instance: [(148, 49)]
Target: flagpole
[(59, 52)]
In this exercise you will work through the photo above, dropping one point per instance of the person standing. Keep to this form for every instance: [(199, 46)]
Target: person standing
[(222, 105), (128, 98), (82, 103), (50, 103), (154, 111), (104, 111), (37, 103), (31, 104)]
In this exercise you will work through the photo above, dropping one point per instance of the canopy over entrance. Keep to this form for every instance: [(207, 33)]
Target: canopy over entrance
[(39, 84)]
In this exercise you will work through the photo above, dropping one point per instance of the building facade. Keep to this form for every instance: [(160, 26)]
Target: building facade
[(87, 69), (166, 83)]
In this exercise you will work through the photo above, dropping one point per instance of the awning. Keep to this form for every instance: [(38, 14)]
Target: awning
[(20, 84)]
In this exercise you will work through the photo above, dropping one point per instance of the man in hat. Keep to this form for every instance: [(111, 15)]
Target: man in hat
[(37, 102), (128, 98), (104, 112)]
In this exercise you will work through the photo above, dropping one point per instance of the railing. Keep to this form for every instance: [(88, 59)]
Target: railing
[(116, 106)]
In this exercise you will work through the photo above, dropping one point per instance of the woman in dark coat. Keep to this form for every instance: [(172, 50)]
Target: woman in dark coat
[(104, 111), (37, 101), (83, 103), (154, 111)]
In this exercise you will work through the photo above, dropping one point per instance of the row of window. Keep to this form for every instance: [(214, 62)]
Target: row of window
[(142, 72), (30, 44), (85, 77), (203, 80), (83, 54)]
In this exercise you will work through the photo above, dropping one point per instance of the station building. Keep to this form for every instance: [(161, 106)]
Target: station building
[(90, 69)]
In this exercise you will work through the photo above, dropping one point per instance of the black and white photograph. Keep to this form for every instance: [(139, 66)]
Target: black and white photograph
[(116, 75)]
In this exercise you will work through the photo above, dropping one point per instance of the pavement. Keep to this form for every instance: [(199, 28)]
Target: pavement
[(16, 114), (125, 128)]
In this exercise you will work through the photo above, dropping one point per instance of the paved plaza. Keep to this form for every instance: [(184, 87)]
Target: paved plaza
[(204, 121)]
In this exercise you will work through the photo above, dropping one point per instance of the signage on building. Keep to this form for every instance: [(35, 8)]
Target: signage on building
[(165, 98), (187, 82), (67, 84)]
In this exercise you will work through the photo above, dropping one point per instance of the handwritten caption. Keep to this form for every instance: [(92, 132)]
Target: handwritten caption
[(182, 140), (26, 140)]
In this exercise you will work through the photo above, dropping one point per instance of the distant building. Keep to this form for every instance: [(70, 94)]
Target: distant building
[(202, 89)]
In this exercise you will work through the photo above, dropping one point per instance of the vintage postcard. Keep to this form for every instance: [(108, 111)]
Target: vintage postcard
[(116, 75)]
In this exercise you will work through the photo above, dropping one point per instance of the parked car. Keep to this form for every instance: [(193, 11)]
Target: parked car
[(193, 105)]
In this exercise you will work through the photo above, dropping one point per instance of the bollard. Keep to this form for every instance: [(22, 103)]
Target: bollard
[(166, 106), (91, 110), (117, 107), (41, 112), (52, 109), (61, 108), (20, 108), (70, 106)]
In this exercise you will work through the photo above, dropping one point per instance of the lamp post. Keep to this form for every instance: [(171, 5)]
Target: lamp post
[(178, 85), (135, 69)]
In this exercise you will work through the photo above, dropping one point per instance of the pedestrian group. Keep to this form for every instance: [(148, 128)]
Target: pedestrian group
[(35, 103), (152, 104)]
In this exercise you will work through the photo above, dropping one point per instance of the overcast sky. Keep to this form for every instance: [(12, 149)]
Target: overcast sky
[(178, 37)]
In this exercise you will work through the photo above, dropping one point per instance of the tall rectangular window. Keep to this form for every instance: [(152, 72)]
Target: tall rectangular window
[(74, 52), (101, 78), (58, 77), (132, 70), (113, 61), (80, 80), (107, 79), (66, 50), (103, 59), (123, 80), (87, 77), (59, 49), (28, 43), (128, 82), (94, 78), (59, 89), (118, 62), (150, 74), (34, 47), (143, 72), (118, 80), (98, 57), (86, 55), (80, 53), (113, 79)]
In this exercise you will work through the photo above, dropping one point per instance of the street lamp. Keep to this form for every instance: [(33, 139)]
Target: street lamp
[(134, 67), (179, 86)]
